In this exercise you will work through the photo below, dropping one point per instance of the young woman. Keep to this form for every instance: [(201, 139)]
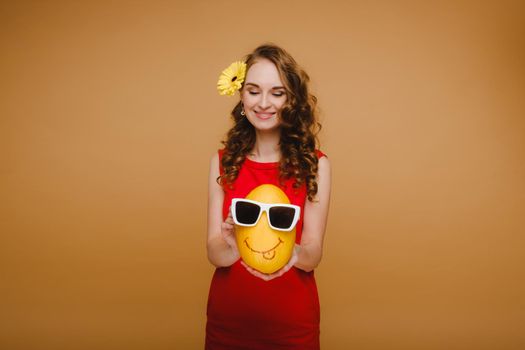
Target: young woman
[(273, 141)]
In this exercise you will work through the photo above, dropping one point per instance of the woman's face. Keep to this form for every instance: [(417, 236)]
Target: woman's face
[(263, 95)]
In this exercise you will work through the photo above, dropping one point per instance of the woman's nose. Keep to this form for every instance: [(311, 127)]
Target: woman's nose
[(264, 102)]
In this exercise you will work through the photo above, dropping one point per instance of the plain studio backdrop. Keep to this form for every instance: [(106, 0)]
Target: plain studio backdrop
[(109, 115)]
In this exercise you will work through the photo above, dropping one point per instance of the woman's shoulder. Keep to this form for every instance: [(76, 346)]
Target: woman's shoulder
[(219, 153), (218, 156), (324, 163), (216, 160)]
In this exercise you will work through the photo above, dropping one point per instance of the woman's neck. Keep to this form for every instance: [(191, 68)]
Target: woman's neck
[(266, 148)]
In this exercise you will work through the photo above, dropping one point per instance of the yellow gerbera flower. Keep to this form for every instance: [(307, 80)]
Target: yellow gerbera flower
[(231, 78)]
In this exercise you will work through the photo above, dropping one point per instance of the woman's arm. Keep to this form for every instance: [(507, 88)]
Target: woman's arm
[(221, 245), (314, 221)]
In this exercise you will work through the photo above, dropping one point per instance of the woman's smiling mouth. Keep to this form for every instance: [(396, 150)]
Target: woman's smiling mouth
[(267, 254), (264, 115)]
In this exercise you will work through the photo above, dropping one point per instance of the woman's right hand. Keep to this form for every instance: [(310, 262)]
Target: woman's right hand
[(228, 233)]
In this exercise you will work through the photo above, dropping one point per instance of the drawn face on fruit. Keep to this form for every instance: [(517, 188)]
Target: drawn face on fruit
[(266, 245)]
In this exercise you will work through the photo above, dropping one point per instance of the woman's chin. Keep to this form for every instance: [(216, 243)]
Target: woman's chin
[(266, 124)]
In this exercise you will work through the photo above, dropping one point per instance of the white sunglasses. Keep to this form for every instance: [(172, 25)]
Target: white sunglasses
[(281, 217)]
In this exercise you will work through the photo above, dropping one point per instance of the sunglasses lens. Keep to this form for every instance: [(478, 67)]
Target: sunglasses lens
[(247, 213), (282, 217)]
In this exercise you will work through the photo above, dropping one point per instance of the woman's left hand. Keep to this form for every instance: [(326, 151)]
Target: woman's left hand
[(279, 273)]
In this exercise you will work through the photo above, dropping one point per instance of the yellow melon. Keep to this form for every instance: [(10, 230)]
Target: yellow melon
[(261, 247)]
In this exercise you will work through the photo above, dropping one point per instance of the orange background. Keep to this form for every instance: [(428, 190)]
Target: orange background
[(108, 118)]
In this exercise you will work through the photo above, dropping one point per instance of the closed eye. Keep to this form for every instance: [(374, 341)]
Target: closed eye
[(256, 93)]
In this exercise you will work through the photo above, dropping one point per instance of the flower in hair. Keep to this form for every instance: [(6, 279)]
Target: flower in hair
[(231, 78)]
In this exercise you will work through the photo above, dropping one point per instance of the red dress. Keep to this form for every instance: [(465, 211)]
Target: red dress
[(246, 312)]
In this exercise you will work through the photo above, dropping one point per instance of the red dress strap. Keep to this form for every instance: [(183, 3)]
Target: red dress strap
[(221, 153), (320, 154)]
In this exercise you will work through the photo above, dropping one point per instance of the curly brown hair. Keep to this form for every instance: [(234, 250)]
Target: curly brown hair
[(298, 129)]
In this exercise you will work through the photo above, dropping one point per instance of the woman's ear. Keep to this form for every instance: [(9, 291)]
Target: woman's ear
[(241, 96)]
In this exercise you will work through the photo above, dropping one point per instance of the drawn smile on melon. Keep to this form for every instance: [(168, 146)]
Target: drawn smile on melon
[(267, 254)]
